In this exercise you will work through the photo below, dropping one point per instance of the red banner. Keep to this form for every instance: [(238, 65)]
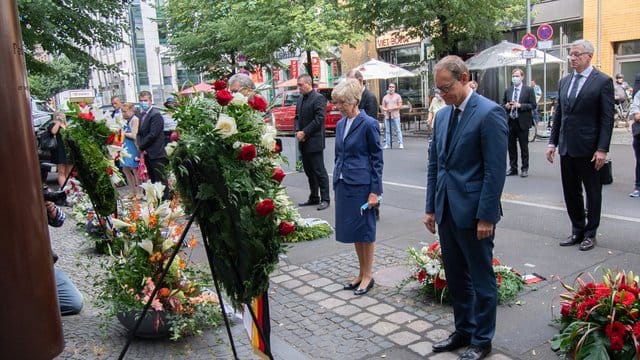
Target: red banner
[(334, 68), (257, 76), (293, 69), (276, 74), (315, 67)]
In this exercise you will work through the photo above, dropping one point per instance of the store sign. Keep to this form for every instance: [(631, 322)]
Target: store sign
[(315, 67), (293, 69), (395, 38)]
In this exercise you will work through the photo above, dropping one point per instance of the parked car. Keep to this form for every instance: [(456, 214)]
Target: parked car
[(283, 111)]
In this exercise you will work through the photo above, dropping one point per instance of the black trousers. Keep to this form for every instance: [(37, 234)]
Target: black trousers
[(576, 173), (157, 173), (313, 164), (636, 151), (516, 134)]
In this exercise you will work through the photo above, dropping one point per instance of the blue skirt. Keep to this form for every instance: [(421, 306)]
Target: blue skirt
[(353, 226)]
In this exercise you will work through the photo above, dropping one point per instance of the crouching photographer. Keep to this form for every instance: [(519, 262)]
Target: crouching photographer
[(69, 297)]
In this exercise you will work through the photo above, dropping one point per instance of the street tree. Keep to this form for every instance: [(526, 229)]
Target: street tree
[(71, 28), (65, 75), (451, 24)]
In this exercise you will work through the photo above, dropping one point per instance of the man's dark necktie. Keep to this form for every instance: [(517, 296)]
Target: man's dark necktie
[(514, 111), (453, 122), (574, 89)]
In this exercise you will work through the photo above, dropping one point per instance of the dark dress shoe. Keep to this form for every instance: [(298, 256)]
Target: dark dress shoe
[(475, 353), (512, 172), (524, 173), (588, 243), (309, 203), (453, 342), (351, 286), (323, 205), (572, 240), (360, 291)]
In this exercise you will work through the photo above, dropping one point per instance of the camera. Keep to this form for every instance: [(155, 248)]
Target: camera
[(56, 197)]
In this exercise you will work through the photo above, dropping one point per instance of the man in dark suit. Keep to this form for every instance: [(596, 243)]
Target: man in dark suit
[(150, 140), (520, 101), (466, 174), (581, 133), (309, 127)]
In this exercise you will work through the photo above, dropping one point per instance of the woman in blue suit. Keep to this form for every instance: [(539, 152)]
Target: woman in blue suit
[(357, 180)]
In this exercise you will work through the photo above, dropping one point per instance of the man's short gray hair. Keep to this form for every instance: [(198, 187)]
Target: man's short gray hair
[(244, 80), (586, 44)]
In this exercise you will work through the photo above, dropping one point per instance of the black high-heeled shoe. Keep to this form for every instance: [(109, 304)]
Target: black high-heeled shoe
[(351, 286), (360, 291)]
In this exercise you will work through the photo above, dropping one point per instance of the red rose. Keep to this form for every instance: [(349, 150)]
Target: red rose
[(175, 136), (258, 103), (286, 228), (219, 85), (278, 175), (247, 152), (110, 171), (111, 138), (87, 116), (265, 207), (277, 148), (224, 97), (439, 283)]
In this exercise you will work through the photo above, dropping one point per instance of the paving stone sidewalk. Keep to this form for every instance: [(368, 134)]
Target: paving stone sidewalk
[(311, 316)]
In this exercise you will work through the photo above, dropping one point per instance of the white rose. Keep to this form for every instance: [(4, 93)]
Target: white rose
[(226, 126), (268, 141), (239, 99)]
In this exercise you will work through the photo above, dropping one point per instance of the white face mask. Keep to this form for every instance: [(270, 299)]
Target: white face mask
[(516, 80)]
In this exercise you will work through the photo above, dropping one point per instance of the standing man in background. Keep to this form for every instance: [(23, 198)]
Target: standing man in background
[(581, 132), (519, 101), (391, 104), (309, 127), (150, 140), (465, 178)]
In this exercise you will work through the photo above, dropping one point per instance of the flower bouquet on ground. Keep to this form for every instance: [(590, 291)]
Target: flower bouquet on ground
[(428, 271), (600, 320), (149, 233)]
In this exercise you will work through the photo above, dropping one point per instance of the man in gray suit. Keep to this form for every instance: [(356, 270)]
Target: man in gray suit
[(581, 133)]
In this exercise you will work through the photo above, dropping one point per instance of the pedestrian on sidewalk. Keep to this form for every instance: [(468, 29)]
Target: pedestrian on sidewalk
[(357, 180), (150, 140), (391, 105), (465, 178), (310, 127), (519, 100), (130, 163), (581, 132), (635, 131)]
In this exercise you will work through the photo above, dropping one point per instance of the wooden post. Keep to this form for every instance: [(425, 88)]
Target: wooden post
[(30, 325)]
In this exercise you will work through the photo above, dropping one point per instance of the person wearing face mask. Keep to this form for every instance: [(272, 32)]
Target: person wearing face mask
[(519, 101), (150, 140)]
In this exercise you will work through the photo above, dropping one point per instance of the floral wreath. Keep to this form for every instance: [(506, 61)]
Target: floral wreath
[(226, 167)]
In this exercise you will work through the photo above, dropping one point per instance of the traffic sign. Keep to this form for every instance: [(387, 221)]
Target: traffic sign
[(545, 32), (529, 54), (545, 44), (529, 41)]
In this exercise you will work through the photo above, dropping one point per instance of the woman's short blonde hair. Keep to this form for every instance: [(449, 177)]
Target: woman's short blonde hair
[(128, 106), (347, 91)]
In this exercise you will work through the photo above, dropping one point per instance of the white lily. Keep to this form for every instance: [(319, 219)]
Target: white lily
[(119, 224), (147, 245)]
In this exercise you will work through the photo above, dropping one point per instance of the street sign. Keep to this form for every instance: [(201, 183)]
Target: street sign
[(529, 54), (545, 32), (529, 41), (545, 44)]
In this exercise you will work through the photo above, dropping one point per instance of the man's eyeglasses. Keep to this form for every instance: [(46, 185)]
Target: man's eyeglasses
[(445, 89), (578, 54)]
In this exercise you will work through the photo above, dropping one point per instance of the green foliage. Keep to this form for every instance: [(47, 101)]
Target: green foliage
[(311, 232), (451, 24), (70, 27), (64, 75)]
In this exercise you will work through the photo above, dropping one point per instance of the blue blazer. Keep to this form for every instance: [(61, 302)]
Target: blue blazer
[(471, 174), (358, 157)]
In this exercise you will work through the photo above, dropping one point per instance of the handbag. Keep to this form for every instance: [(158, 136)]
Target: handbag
[(48, 141), (143, 174), (606, 173)]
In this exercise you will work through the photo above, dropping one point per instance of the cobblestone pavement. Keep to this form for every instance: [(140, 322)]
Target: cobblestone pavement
[(311, 316)]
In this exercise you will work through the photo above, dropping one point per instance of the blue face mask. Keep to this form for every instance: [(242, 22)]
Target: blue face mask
[(144, 105)]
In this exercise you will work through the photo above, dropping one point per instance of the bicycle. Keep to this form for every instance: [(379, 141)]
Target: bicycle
[(621, 113)]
